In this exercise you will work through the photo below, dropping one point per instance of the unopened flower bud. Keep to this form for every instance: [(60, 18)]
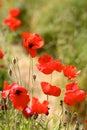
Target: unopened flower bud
[(34, 77), (61, 102), (10, 72), (14, 60), (66, 112)]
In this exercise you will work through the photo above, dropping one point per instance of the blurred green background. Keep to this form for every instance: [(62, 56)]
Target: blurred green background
[(62, 24)]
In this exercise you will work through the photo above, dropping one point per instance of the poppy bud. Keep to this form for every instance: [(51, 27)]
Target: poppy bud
[(14, 60), (61, 102), (10, 72), (34, 77)]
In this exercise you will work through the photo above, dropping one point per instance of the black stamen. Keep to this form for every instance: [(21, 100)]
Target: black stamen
[(30, 45), (18, 92)]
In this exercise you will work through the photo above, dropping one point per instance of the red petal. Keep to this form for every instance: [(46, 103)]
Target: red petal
[(50, 89)]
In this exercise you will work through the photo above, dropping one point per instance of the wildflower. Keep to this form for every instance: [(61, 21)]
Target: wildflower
[(72, 86), (14, 12), (6, 89), (45, 59), (32, 42), (50, 89), (58, 65), (1, 54), (12, 22), (69, 98), (80, 95), (36, 108), (73, 94), (47, 65), (19, 97), (40, 108), (70, 71)]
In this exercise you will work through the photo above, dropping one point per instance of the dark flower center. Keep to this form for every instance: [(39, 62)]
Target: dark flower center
[(30, 45), (18, 92)]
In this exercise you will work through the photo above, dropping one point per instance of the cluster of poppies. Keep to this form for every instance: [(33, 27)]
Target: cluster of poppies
[(12, 21), (47, 65), (19, 97), (73, 94)]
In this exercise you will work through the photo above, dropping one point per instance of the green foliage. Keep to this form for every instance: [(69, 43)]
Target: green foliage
[(13, 120), (63, 26), (3, 76)]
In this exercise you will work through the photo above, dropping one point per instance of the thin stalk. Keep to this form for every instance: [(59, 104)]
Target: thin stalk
[(29, 74), (31, 80), (20, 81), (47, 97), (15, 74), (32, 77)]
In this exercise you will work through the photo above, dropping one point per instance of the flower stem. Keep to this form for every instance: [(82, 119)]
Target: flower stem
[(20, 81)]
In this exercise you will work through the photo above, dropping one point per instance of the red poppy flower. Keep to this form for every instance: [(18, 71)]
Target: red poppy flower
[(19, 97), (50, 89), (46, 69), (45, 59), (72, 86), (80, 95), (70, 71), (32, 42), (69, 98), (1, 54), (47, 65), (38, 107), (73, 94), (12, 22), (14, 12), (6, 89), (58, 65)]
